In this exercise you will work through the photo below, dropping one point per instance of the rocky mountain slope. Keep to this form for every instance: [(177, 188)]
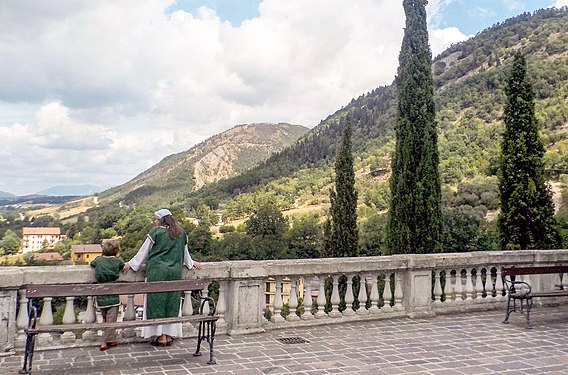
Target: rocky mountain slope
[(221, 156)]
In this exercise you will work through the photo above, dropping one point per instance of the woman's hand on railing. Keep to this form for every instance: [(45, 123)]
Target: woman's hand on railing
[(197, 265), (126, 267)]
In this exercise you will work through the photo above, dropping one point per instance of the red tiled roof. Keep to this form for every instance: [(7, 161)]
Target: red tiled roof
[(50, 231), (47, 256), (87, 248)]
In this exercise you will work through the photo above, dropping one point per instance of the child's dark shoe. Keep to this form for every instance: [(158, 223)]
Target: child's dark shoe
[(110, 344)]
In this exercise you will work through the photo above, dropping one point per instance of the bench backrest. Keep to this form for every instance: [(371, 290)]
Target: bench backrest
[(513, 271), (104, 289)]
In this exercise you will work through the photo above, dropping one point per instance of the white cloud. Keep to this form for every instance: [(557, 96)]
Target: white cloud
[(560, 3), (96, 92), (441, 38)]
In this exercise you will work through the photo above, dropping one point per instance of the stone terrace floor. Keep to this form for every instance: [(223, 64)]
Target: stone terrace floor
[(473, 343)]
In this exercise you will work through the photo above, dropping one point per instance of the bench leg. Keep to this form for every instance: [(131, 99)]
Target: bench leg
[(28, 355), (509, 310), (529, 306), (206, 332), (199, 338), (211, 327)]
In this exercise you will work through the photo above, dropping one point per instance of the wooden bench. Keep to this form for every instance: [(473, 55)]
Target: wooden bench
[(207, 323), (521, 291)]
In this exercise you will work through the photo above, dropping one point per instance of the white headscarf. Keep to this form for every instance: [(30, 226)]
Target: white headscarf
[(161, 213)]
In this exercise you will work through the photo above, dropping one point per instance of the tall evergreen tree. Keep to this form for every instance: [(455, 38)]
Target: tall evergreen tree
[(527, 218), (415, 215), (344, 236)]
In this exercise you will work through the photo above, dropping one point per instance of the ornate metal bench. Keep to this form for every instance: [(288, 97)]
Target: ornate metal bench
[(521, 291), (207, 323)]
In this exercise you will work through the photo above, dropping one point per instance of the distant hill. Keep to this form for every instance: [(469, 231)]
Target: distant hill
[(221, 156), (4, 194), (74, 190)]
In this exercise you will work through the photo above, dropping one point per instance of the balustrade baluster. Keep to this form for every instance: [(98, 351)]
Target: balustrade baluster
[(334, 313), (349, 297), (468, 286), (205, 293), (450, 288), (46, 319), (321, 298), (187, 310), (478, 286), (398, 305), (437, 289), (387, 294), (307, 301), (221, 307), (90, 317), (362, 296), (129, 314), (557, 282), (22, 319), (375, 298), (264, 304), (489, 284), (293, 300), (498, 284), (565, 281), (68, 318), (460, 281), (277, 304)]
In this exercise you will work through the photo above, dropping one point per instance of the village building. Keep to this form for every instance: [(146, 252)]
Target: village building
[(38, 238), (85, 252)]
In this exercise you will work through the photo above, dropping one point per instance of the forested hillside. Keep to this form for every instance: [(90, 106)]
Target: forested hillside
[(219, 157), (469, 79)]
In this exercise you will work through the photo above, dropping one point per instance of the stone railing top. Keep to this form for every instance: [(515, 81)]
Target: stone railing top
[(13, 277)]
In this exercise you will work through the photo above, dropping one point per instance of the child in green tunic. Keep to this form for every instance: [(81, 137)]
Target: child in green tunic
[(107, 269)]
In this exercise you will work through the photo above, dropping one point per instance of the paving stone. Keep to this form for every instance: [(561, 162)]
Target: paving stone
[(473, 343)]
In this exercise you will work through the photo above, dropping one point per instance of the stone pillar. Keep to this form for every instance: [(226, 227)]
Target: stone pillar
[(417, 292), (7, 319), (244, 299)]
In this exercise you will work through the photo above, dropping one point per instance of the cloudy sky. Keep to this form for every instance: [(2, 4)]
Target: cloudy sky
[(95, 92)]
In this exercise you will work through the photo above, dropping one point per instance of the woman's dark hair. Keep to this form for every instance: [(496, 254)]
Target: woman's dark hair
[(174, 229)]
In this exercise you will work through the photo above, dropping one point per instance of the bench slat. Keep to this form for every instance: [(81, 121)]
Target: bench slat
[(513, 271), (559, 293), (124, 324), (104, 289)]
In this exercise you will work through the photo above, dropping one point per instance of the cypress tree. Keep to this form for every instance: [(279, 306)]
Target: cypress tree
[(527, 218), (415, 216), (344, 236)]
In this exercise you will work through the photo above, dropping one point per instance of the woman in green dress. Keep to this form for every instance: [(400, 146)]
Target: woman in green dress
[(165, 252)]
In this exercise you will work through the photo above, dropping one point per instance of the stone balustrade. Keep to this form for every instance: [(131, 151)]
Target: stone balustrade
[(333, 290)]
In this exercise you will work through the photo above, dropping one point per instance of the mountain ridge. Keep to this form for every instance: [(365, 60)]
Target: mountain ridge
[(220, 156)]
